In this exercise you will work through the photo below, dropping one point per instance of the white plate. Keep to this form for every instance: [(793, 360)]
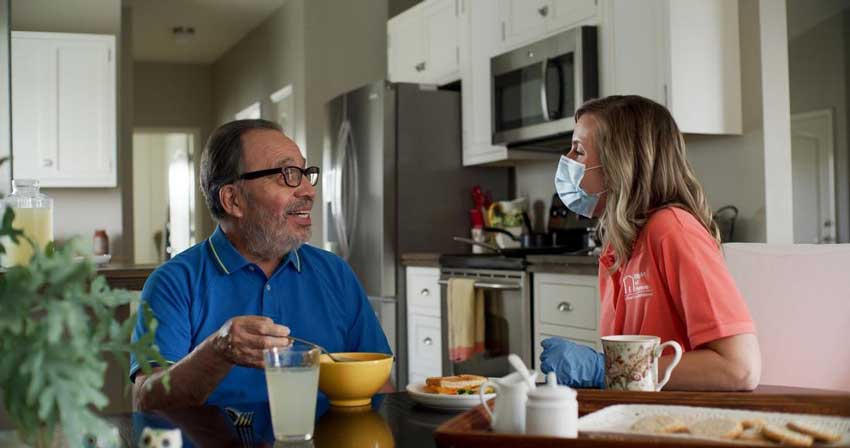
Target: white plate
[(451, 402), (618, 419)]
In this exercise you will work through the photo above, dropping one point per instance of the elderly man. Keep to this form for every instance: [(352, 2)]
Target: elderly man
[(253, 282)]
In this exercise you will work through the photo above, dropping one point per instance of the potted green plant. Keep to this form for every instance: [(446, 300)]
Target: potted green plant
[(57, 324)]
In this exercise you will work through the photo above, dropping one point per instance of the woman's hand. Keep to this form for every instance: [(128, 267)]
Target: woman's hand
[(575, 365)]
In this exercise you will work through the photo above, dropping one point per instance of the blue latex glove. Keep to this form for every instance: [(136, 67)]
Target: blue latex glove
[(575, 365)]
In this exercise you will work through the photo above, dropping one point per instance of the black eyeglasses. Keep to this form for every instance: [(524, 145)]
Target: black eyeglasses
[(292, 175)]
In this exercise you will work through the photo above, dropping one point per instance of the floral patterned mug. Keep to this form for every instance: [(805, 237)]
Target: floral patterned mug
[(631, 362)]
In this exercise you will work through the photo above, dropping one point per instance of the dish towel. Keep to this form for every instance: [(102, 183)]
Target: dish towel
[(465, 307)]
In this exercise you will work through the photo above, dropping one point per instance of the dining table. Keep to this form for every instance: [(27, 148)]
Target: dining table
[(396, 420), (392, 420)]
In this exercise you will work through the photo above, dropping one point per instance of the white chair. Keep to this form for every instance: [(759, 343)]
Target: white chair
[(799, 297)]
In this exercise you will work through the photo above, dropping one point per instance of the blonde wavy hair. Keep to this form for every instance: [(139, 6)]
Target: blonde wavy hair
[(646, 168)]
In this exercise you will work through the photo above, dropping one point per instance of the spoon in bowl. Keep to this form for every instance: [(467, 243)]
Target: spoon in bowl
[(333, 358)]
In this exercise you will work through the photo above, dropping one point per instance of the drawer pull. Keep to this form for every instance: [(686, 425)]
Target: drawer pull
[(425, 292), (565, 306), (427, 341)]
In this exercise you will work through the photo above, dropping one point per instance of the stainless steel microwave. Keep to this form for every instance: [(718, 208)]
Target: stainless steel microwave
[(536, 89)]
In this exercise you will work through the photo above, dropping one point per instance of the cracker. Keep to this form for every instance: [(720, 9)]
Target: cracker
[(722, 428), (752, 434), (816, 431), (786, 436), (755, 423), (659, 424)]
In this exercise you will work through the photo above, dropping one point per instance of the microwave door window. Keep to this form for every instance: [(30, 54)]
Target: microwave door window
[(517, 99), (560, 87)]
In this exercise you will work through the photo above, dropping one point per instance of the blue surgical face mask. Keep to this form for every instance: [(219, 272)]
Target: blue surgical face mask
[(567, 185)]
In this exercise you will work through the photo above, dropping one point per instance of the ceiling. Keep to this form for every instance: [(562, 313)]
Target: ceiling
[(218, 24)]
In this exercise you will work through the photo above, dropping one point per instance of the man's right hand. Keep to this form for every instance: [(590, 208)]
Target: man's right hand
[(241, 340)]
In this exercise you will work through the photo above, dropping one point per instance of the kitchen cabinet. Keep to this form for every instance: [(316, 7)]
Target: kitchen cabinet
[(422, 43), (424, 343), (477, 46), (684, 54), (523, 21), (64, 109), (567, 306)]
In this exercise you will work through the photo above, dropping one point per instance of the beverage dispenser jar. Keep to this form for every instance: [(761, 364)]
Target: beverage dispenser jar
[(33, 215)]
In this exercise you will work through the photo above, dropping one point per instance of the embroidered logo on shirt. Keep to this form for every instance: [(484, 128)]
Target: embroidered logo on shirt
[(635, 286)]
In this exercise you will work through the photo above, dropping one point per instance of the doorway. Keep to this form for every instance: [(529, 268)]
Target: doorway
[(813, 178), (163, 193)]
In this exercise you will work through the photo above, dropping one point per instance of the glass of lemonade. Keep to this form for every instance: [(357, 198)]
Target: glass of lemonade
[(292, 377)]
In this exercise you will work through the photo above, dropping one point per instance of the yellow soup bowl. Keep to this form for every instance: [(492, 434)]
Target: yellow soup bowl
[(353, 383)]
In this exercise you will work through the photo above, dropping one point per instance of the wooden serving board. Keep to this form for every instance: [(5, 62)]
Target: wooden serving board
[(471, 429)]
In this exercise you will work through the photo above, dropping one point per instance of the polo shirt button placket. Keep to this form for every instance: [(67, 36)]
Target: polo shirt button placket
[(268, 287)]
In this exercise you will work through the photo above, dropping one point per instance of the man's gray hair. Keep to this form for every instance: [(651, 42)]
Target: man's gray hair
[(221, 161)]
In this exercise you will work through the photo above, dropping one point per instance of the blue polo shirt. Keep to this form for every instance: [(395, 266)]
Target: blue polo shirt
[(313, 292)]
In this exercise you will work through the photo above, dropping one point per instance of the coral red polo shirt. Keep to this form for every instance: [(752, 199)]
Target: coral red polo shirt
[(675, 286)]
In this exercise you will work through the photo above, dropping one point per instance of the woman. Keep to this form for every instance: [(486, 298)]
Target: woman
[(661, 271)]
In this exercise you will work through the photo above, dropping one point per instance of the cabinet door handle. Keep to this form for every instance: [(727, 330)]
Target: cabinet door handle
[(544, 11), (48, 162), (565, 306), (427, 341), (420, 67), (425, 292)]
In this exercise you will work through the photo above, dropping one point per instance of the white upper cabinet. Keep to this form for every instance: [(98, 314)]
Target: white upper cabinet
[(423, 43), (524, 21), (562, 14), (684, 54), (64, 109), (441, 19), (478, 45), (406, 46)]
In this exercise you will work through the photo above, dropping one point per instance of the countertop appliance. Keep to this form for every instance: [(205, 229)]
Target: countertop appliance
[(569, 229), (393, 183), (536, 89)]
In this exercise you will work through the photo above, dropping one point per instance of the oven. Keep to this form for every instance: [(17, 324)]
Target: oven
[(536, 89), (507, 296)]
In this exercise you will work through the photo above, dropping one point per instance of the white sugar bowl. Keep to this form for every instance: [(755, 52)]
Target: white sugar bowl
[(552, 410)]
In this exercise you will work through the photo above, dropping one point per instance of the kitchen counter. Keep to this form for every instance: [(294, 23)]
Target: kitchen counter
[(126, 276), (421, 259), (564, 264)]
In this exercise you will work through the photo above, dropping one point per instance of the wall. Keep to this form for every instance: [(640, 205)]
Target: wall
[(5, 112), (731, 168), (171, 95), (352, 55), (294, 46), (819, 78), (536, 181), (79, 211)]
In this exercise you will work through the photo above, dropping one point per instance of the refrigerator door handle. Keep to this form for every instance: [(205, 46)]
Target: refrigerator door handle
[(353, 203), (338, 208)]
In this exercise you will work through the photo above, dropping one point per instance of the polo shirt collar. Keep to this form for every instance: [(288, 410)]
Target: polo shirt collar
[(229, 260)]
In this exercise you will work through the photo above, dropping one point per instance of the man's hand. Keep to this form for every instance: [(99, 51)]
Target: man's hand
[(241, 340)]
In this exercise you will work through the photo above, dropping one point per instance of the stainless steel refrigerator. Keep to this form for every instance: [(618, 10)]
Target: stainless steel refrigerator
[(394, 183)]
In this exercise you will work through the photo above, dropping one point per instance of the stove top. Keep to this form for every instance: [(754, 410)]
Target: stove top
[(483, 261)]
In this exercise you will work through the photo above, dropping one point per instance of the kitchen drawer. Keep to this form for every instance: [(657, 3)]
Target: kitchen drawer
[(424, 344), (423, 291), (569, 301)]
